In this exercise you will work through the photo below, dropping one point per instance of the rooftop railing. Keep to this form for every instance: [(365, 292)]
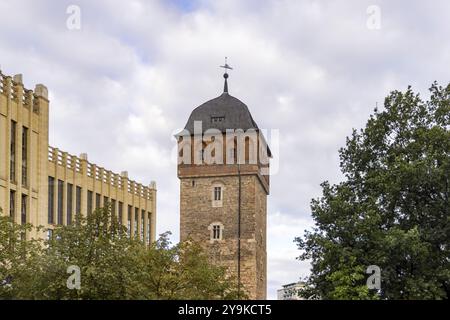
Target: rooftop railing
[(74, 163), (17, 92)]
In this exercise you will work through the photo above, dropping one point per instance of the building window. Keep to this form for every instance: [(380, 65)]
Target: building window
[(105, 202), (49, 234), (97, 200), (69, 203), (90, 199), (24, 156), (136, 222), (217, 195), (23, 216), (149, 224), (232, 156), (60, 201), (142, 224), (78, 201), (217, 119), (12, 205), (199, 153), (120, 213), (51, 200), (216, 231), (12, 159), (129, 221)]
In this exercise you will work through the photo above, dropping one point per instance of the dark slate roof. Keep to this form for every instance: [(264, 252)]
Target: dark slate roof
[(223, 112)]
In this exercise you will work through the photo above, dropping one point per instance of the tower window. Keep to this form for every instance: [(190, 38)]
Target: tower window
[(201, 155), (232, 156), (216, 231), (217, 119), (217, 193)]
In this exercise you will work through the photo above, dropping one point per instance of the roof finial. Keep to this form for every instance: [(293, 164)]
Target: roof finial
[(225, 75)]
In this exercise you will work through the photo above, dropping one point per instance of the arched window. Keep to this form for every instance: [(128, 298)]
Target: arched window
[(200, 153), (231, 150), (251, 150)]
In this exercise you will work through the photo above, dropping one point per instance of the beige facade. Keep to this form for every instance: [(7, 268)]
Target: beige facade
[(45, 186)]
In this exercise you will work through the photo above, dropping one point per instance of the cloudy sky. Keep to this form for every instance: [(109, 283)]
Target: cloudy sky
[(129, 77)]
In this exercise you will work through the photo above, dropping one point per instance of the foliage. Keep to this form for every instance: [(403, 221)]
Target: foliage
[(112, 265), (180, 272), (16, 255), (392, 210)]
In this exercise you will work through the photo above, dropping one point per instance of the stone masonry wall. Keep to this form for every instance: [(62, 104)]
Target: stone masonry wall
[(198, 213)]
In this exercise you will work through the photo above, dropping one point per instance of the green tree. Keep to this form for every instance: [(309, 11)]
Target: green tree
[(392, 209), (112, 266), (98, 246), (182, 271), (16, 256)]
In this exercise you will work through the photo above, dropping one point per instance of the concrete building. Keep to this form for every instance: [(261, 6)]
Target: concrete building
[(290, 291), (223, 168), (45, 186)]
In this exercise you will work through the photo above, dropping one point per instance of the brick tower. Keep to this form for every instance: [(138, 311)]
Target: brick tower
[(223, 164)]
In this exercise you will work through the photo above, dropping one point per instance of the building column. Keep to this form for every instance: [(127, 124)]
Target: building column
[(84, 184), (41, 106)]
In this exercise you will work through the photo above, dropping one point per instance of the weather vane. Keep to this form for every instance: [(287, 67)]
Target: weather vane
[(226, 66), (225, 75)]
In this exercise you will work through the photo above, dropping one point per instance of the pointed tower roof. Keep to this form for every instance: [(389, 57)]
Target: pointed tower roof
[(221, 113)]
